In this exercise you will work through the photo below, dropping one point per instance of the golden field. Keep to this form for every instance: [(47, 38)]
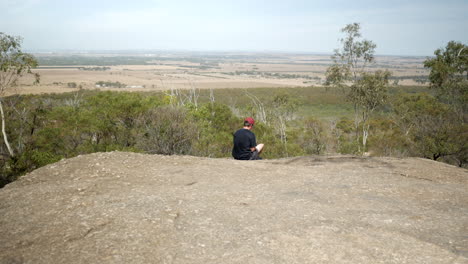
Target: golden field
[(184, 71)]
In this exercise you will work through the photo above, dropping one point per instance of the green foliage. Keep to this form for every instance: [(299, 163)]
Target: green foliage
[(166, 130), (348, 147), (346, 125), (217, 116), (345, 133), (432, 128), (370, 91), (388, 139), (337, 75), (13, 64), (314, 136), (47, 128), (351, 60), (449, 76), (217, 125), (367, 90), (448, 67)]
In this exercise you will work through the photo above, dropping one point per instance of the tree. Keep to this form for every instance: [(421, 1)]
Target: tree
[(367, 94), (282, 111), (449, 76), (430, 128), (314, 136), (349, 70), (351, 60), (166, 130), (13, 64)]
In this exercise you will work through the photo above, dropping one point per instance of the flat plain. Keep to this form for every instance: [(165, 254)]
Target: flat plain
[(66, 72)]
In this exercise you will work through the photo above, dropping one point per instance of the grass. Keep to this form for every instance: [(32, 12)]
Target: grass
[(317, 102)]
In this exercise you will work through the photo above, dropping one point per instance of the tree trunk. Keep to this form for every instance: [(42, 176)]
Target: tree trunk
[(365, 134), (5, 138)]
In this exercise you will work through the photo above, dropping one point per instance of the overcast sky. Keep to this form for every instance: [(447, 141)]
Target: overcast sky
[(401, 27)]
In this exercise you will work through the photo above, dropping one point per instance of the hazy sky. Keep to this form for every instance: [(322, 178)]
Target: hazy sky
[(401, 27)]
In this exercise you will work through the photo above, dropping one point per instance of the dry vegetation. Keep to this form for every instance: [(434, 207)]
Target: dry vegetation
[(204, 71)]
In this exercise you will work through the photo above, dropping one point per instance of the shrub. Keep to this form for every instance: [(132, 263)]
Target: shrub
[(166, 130)]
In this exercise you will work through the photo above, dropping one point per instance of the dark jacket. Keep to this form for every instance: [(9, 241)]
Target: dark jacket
[(244, 140)]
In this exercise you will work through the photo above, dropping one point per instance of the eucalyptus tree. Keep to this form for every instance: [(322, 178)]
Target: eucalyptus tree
[(350, 70), (14, 64), (352, 59), (449, 76)]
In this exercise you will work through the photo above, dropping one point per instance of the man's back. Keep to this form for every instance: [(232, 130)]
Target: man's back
[(244, 140)]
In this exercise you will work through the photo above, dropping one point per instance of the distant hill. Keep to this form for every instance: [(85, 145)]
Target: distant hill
[(132, 208)]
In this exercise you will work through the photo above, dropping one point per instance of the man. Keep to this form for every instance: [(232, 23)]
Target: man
[(245, 144)]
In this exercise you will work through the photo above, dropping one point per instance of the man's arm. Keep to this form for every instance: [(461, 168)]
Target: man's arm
[(253, 143)]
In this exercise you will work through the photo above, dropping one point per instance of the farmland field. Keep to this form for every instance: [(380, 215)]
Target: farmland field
[(66, 72)]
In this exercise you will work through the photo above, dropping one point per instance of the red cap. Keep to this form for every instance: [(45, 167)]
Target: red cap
[(250, 120)]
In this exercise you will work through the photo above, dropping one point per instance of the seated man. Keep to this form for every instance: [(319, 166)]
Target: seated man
[(245, 144)]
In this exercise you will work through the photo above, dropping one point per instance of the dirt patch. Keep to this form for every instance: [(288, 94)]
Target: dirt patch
[(133, 208)]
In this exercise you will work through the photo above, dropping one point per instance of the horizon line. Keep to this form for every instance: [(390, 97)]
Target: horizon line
[(143, 51)]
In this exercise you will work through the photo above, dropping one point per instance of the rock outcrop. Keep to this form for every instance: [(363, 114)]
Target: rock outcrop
[(133, 208)]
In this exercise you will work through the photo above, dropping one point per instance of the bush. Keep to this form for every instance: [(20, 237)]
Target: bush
[(432, 129), (313, 136), (216, 125), (72, 85), (166, 130)]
